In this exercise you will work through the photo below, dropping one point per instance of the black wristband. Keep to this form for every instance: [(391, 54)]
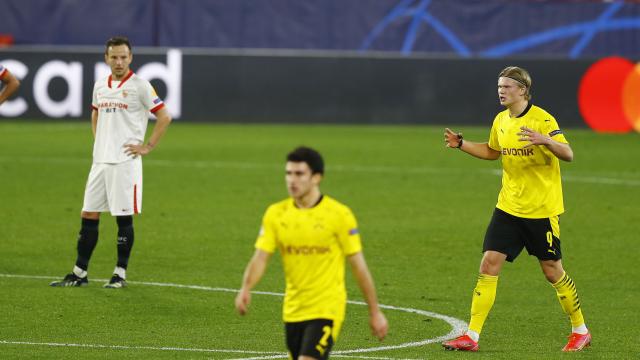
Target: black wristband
[(460, 142)]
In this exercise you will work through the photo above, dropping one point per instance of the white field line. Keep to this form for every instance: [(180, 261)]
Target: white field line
[(332, 355), (127, 347), (457, 326), (204, 164), (164, 348)]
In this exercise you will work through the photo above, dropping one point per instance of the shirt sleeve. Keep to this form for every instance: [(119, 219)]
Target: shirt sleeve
[(550, 127), (150, 99), (267, 236), (348, 234), (494, 143)]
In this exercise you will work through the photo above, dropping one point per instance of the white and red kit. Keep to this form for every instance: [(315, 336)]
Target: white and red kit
[(115, 180)]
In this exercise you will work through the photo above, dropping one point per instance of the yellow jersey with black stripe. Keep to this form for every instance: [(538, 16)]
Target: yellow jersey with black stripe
[(313, 244), (531, 184)]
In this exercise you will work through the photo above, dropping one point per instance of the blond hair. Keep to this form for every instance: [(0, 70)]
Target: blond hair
[(521, 76)]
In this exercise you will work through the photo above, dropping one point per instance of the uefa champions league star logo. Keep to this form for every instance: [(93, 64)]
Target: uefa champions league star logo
[(417, 14)]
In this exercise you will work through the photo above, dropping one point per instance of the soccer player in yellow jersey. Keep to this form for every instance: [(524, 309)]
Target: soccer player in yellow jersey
[(314, 234), (529, 204)]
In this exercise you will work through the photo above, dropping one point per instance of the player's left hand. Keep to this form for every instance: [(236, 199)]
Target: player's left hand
[(134, 150), (533, 137), (243, 299), (379, 325)]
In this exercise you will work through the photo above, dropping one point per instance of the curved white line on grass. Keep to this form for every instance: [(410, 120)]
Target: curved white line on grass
[(201, 164), (457, 326), (167, 348), (332, 355)]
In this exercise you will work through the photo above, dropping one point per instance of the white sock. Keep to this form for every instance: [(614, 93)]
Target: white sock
[(473, 335), (79, 272), (120, 272), (582, 329)]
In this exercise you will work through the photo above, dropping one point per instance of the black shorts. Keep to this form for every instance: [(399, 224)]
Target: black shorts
[(508, 234), (310, 338)]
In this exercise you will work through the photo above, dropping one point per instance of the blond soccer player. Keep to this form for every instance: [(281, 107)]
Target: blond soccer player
[(530, 202)]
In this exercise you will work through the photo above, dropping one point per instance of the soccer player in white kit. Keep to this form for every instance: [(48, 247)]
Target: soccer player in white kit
[(121, 105), (9, 84)]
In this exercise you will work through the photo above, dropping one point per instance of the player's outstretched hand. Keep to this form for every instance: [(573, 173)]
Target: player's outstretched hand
[(452, 139), (134, 150), (533, 137), (379, 325), (243, 299)]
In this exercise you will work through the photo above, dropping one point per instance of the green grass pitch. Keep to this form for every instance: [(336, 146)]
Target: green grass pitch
[(422, 212)]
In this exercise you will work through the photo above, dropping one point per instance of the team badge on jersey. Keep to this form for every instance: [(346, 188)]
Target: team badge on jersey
[(125, 93)]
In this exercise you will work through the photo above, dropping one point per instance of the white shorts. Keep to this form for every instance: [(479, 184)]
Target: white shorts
[(114, 187)]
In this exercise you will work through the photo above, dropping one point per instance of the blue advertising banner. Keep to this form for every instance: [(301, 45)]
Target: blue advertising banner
[(461, 28)]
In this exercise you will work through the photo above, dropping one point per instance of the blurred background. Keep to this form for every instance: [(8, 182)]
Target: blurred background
[(332, 61)]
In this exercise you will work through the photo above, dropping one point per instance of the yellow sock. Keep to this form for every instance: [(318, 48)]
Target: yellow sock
[(568, 297), (483, 297)]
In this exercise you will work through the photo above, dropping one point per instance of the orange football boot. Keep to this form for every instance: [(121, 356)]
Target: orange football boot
[(461, 343), (577, 342)]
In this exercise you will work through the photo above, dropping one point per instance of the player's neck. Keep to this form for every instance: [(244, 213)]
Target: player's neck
[(309, 199), (517, 108)]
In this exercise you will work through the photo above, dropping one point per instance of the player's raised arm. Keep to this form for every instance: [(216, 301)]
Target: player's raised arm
[(377, 320), (252, 275), (479, 150), (561, 150)]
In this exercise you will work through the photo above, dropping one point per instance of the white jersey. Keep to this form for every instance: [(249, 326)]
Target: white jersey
[(3, 70), (123, 113)]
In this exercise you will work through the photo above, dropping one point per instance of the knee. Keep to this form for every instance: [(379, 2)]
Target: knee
[(490, 266), (552, 272), (90, 215)]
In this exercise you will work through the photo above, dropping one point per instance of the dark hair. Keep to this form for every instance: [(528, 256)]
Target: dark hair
[(309, 156), (115, 41)]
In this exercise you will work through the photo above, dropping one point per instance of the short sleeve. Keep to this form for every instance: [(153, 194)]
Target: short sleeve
[(494, 143), (267, 236), (348, 234), (551, 128), (150, 99)]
